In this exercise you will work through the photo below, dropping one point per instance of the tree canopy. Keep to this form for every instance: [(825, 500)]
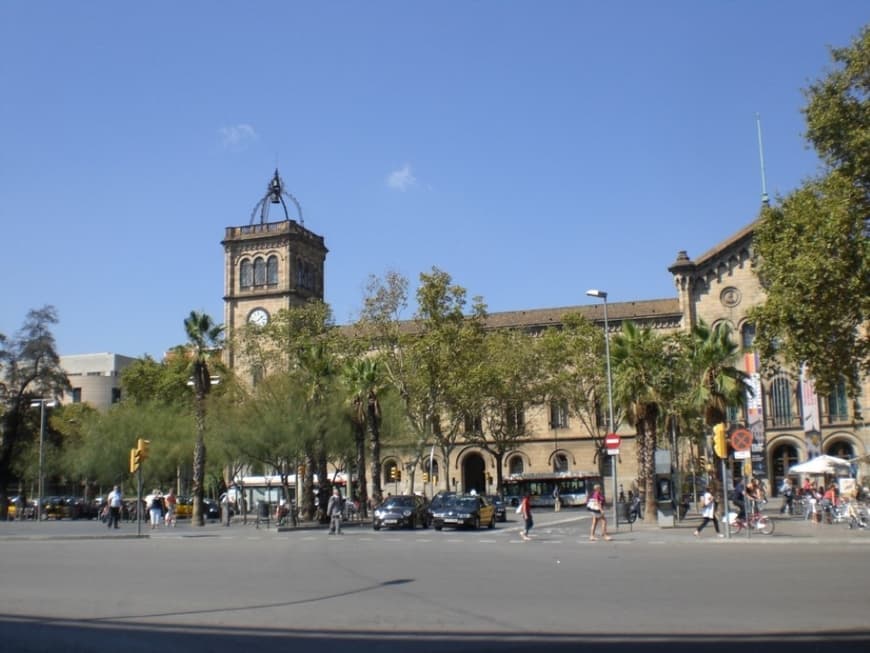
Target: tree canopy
[(812, 250)]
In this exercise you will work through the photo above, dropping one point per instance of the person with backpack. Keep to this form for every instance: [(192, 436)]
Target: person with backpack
[(334, 510)]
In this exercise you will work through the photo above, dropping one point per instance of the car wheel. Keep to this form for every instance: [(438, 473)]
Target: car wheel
[(377, 527), (437, 528)]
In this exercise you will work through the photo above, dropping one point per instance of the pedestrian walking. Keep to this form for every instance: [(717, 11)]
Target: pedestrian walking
[(114, 501), (595, 505), (156, 508), (525, 509), (171, 502), (787, 491), (334, 509), (708, 501), (557, 501)]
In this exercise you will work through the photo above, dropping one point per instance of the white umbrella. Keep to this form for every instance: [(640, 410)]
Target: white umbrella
[(822, 465)]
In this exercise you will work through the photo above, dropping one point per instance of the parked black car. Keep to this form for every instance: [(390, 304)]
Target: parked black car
[(470, 511), (437, 502), (211, 509), (499, 505), (405, 511)]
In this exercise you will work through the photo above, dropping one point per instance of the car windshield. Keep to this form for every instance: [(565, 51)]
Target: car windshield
[(399, 502), (466, 503)]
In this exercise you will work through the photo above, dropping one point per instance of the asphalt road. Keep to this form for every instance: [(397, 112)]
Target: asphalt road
[(74, 587)]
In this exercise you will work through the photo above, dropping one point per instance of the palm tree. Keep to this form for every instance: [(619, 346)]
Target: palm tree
[(638, 372), (369, 389), (719, 384), (204, 338), (356, 375)]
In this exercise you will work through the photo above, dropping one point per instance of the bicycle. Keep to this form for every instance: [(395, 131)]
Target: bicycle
[(756, 521)]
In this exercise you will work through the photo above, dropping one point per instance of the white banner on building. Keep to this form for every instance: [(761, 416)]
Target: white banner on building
[(810, 413)]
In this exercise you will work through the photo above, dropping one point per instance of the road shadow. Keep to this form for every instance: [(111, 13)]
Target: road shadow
[(23, 634)]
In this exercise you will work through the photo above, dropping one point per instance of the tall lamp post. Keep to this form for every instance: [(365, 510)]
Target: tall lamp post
[(602, 295), (42, 403)]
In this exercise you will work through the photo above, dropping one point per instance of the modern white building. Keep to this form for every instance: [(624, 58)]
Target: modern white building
[(95, 378)]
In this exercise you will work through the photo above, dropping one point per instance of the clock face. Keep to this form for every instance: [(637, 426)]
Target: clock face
[(259, 317)]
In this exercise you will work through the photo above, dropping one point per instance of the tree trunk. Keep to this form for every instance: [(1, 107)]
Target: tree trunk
[(197, 517), (375, 429), (361, 473)]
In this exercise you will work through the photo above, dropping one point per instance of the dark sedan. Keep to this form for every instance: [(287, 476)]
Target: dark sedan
[(401, 512), (499, 505), (438, 502), (465, 511)]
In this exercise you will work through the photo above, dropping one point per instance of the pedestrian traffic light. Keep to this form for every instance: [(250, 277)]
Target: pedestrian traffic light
[(720, 440), (135, 462), (142, 446)]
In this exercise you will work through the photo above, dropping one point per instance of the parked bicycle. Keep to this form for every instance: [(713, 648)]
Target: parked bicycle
[(758, 522)]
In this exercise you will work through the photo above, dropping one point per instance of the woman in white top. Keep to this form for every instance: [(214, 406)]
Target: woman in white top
[(708, 512)]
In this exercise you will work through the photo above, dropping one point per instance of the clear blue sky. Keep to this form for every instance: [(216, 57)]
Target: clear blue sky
[(532, 150)]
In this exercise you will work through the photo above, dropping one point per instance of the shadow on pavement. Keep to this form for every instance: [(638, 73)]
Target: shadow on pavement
[(34, 634)]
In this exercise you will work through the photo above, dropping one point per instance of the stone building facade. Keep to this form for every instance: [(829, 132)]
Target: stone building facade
[(274, 265)]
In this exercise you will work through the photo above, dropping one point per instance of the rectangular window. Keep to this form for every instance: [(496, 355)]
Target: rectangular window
[(473, 423), (559, 414), (515, 419), (116, 395)]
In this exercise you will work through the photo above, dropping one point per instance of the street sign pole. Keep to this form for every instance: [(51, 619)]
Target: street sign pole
[(611, 443)]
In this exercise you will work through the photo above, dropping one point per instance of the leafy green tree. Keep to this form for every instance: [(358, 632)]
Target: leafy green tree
[(813, 254), (433, 361), (146, 380), (508, 379), (576, 372), (204, 338), (29, 369)]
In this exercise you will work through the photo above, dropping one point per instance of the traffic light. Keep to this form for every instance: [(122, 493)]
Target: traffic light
[(425, 477), (142, 446), (135, 461), (394, 473), (720, 440), (398, 473)]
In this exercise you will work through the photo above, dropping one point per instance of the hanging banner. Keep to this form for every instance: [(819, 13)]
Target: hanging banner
[(810, 414), (755, 416)]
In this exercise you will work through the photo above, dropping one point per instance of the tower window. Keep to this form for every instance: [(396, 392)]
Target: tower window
[(259, 271), (246, 274), (272, 271)]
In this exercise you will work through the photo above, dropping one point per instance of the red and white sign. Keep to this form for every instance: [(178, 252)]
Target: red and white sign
[(741, 440), (611, 442)]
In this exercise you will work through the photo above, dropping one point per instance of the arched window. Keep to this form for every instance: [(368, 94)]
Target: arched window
[(272, 271), (747, 335), (259, 271), (841, 449), (838, 404), (246, 274), (783, 457), (560, 463), (515, 465), (780, 402)]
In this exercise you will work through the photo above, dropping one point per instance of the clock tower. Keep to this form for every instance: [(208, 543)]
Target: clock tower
[(269, 266)]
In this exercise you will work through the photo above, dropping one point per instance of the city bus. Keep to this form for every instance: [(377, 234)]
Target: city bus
[(256, 490), (574, 487)]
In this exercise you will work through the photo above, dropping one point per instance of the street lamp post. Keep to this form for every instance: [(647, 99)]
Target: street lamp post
[(42, 403), (602, 295)]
